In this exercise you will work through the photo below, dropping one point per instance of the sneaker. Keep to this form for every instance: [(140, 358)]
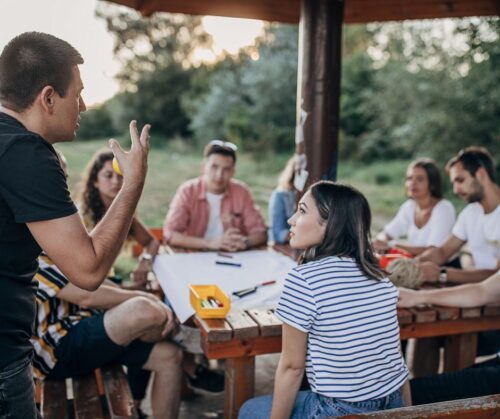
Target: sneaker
[(189, 339), (207, 380)]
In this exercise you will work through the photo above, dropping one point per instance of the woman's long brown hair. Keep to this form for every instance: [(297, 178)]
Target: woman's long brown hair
[(347, 215)]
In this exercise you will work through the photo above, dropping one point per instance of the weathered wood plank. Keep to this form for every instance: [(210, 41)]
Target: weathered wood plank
[(470, 312), (214, 330), (243, 325), (475, 408), (449, 327), (404, 316), (269, 324), (53, 399), (423, 314), (86, 398), (447, 313), (118, 394), (242, 347), (491, 310)]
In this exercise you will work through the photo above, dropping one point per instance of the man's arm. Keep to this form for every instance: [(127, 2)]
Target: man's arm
[(470, 295), (87, 258), (104, 297), (431, 273), (441, 254)]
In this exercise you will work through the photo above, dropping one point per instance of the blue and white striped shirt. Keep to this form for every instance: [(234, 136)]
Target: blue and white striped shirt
[(353, 349)]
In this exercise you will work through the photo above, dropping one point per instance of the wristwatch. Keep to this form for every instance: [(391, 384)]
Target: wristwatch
[(148, 257), (248, 243), (443, 276)]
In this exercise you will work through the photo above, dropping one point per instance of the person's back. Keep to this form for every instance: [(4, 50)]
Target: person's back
[(353, 333)]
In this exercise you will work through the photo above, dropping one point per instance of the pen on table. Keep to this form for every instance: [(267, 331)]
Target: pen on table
[(220, 262), (251, 290), (224, 255)]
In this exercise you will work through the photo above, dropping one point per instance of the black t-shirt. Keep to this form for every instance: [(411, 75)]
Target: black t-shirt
[(32, 188)]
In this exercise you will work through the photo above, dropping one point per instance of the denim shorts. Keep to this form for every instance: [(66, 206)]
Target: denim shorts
[(312, 405), (87, 346), (17, 392)]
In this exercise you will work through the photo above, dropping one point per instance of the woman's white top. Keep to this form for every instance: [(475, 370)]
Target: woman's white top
[(433, 233)]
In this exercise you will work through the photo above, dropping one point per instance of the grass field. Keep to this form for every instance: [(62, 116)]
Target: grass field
[(169, 166)]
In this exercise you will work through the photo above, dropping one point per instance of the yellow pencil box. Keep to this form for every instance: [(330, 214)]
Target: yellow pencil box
[(197, 293)]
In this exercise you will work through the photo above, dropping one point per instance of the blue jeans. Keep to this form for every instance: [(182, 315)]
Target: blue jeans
[(312, 405), (17, 391)]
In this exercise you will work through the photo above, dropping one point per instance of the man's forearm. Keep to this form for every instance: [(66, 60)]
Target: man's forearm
[(471, 295), (106, 297), (434, 254), (189, 242), (466, 276), (109, 235)]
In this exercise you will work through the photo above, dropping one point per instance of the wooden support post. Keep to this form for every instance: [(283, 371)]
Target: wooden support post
[(318, 84), (459, 351), (240, 382)]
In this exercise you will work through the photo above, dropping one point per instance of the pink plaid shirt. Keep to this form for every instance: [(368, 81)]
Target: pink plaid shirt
[(189, 210)]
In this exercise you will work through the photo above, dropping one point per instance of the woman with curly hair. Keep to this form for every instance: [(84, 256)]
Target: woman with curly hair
[(98, 188)]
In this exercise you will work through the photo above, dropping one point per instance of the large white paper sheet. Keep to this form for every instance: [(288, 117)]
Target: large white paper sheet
[(177, 272)]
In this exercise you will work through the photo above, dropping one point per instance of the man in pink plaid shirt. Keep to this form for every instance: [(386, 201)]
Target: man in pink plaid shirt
[(214, 211)]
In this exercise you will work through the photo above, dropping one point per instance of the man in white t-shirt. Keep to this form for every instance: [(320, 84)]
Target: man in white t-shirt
[(214, 211), (472, 173)]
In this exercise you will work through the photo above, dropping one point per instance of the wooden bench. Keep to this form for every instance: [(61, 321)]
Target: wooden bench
[(102, 395), (475, 408)]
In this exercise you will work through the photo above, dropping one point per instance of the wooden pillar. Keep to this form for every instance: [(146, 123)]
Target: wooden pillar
[(459, 351), (318, 84), (239, 385)]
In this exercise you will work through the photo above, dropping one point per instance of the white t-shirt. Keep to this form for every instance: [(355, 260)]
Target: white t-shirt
[(433, 233), (482, 233), (215, 228)]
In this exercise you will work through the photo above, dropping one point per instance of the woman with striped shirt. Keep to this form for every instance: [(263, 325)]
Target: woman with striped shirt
[(339, 315)]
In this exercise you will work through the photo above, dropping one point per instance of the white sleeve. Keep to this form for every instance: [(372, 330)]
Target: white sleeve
[(442, 221), (460, 227), (400, 224)]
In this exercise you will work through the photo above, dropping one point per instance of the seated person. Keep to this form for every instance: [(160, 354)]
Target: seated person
[(99, 186), (339, 316), (282, 205), (480, 380), (426, 219), (72, 337), (214, 211), (472, 173)]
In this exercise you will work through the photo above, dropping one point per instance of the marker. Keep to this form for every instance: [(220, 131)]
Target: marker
[(224, 255), (236, 265)]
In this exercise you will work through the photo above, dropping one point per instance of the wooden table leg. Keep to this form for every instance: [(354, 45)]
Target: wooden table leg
[(459, 351), (240, 383)]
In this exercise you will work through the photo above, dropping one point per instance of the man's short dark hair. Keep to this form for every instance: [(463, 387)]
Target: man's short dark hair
[(224, 148), (31, 61), (472, 158)]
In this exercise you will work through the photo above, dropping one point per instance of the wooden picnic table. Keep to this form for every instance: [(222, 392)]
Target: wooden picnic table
[(243, 335)]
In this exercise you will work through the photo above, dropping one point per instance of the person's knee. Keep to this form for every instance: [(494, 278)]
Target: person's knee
[(146, 313), (259, 407)]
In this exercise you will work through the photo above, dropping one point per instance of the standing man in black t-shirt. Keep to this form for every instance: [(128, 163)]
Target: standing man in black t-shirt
[(40, 104)]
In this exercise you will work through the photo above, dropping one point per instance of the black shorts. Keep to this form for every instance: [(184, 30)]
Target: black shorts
[(87, 346)]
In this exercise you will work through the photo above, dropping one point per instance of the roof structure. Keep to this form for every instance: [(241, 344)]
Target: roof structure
[(288, 11)]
